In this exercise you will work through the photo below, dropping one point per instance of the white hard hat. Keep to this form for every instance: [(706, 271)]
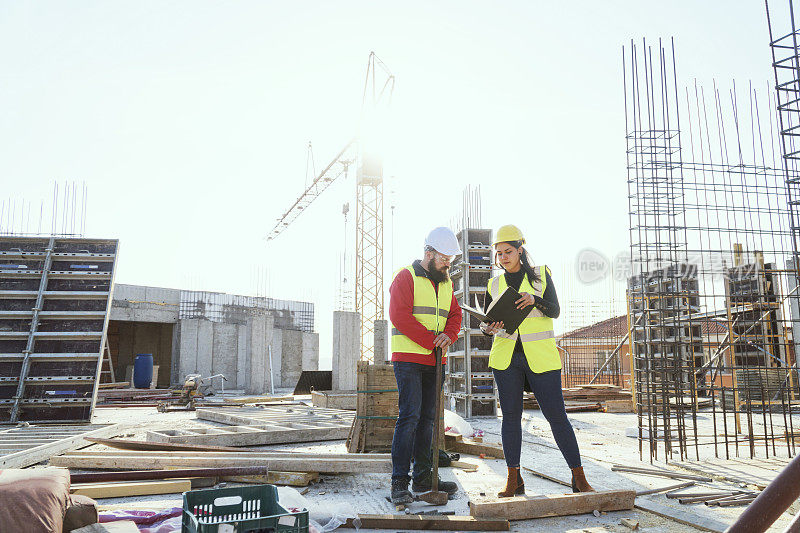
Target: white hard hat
[(443, 241)]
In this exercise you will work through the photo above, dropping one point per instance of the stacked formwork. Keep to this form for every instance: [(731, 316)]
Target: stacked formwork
[(55, 295), (759, 351), (470, 385), (666, 344)]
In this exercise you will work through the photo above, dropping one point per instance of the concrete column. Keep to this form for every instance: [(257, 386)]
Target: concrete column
[(224, 355), (381, 333), (346, 349), (277, 357), (291, 357), (187, 352), (175, 376), (205, 346), (310, 351), (242, 358), (261, 328)]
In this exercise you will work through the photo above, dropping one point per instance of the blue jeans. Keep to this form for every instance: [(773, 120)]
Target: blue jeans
[(547, 389), (413, 432)]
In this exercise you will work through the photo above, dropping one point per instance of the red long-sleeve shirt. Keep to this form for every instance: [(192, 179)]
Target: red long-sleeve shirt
[(401, 303)]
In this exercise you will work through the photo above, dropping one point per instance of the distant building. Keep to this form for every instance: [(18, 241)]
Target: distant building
[(584, 350), (211, 333)]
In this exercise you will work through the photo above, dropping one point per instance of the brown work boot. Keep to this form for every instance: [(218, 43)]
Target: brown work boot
[(514, 485), (579, 483)]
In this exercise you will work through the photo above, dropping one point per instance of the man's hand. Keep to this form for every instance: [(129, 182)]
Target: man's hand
[(442, 341)]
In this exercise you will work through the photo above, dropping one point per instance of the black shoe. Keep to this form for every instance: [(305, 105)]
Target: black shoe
[(424, 485), (400, 494)]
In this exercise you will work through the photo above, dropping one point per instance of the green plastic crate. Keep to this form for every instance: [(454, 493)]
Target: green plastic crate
[(251, 509)]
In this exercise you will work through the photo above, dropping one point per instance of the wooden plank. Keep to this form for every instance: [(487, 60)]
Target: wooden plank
[(427, 523), (680, 516), (455, 443), (525, 507), (245, 416), (463, 465), (292, 479), (119, 526), (134, 445), (131, 488), (263, 399), (281, 462), (252, 435), (347, 400), (42, 452)]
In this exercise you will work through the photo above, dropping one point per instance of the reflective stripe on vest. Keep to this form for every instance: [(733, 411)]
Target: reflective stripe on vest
[(430, 310), (535, 332)]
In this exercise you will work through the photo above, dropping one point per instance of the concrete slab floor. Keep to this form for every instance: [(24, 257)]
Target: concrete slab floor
[(601, 437)]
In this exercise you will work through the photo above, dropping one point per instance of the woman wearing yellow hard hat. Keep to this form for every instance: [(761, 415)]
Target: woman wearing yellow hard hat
[(529, 353)]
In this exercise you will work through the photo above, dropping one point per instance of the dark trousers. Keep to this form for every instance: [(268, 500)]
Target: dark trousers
[(546, 387), (413, 432)]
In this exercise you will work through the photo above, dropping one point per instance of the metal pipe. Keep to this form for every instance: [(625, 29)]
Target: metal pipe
[(138, 475), (772, 501)]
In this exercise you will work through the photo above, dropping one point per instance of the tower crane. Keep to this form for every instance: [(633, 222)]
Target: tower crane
[(377, 94)]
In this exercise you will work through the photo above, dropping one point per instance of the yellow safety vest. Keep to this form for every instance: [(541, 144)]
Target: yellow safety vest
[(429, 309), (535, 332)]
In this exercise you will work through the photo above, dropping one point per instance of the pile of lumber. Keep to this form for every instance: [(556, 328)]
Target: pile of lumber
[(584, 395)]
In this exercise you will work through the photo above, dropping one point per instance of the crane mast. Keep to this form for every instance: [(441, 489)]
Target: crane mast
[(378, 89)]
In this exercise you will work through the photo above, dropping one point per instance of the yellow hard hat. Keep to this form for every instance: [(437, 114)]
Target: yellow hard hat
[(508, 233)]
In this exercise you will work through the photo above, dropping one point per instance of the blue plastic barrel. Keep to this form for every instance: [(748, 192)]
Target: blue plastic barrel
[(143, 370)]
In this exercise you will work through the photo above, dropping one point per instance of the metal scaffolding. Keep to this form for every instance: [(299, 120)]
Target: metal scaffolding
[(710, 313)]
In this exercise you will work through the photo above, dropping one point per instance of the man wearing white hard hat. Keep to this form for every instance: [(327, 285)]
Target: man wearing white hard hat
[(425, 316)]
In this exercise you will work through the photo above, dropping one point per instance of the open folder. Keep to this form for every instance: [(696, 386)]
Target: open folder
[(502, 309)]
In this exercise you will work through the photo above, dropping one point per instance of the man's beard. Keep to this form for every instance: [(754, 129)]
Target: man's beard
[(438, 276)]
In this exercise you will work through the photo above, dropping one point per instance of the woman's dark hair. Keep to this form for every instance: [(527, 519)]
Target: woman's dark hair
[(523, 258)]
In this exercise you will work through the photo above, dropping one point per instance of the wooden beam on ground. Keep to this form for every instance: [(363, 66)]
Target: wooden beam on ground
[(120, 526), (525, 507), (458, 444), (427, 523), (289, 462), (255, 435), (463, 465), (134, 445), (292, 479), (146, 475), (131, 488), (263, 399)]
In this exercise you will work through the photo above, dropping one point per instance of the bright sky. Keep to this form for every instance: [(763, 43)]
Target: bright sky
[(189, 120)]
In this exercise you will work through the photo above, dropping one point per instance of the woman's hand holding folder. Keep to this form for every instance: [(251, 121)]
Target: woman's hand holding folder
[(493, 327)]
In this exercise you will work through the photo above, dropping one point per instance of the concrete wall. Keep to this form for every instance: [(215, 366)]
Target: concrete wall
[(134, 303), (346, 349)]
